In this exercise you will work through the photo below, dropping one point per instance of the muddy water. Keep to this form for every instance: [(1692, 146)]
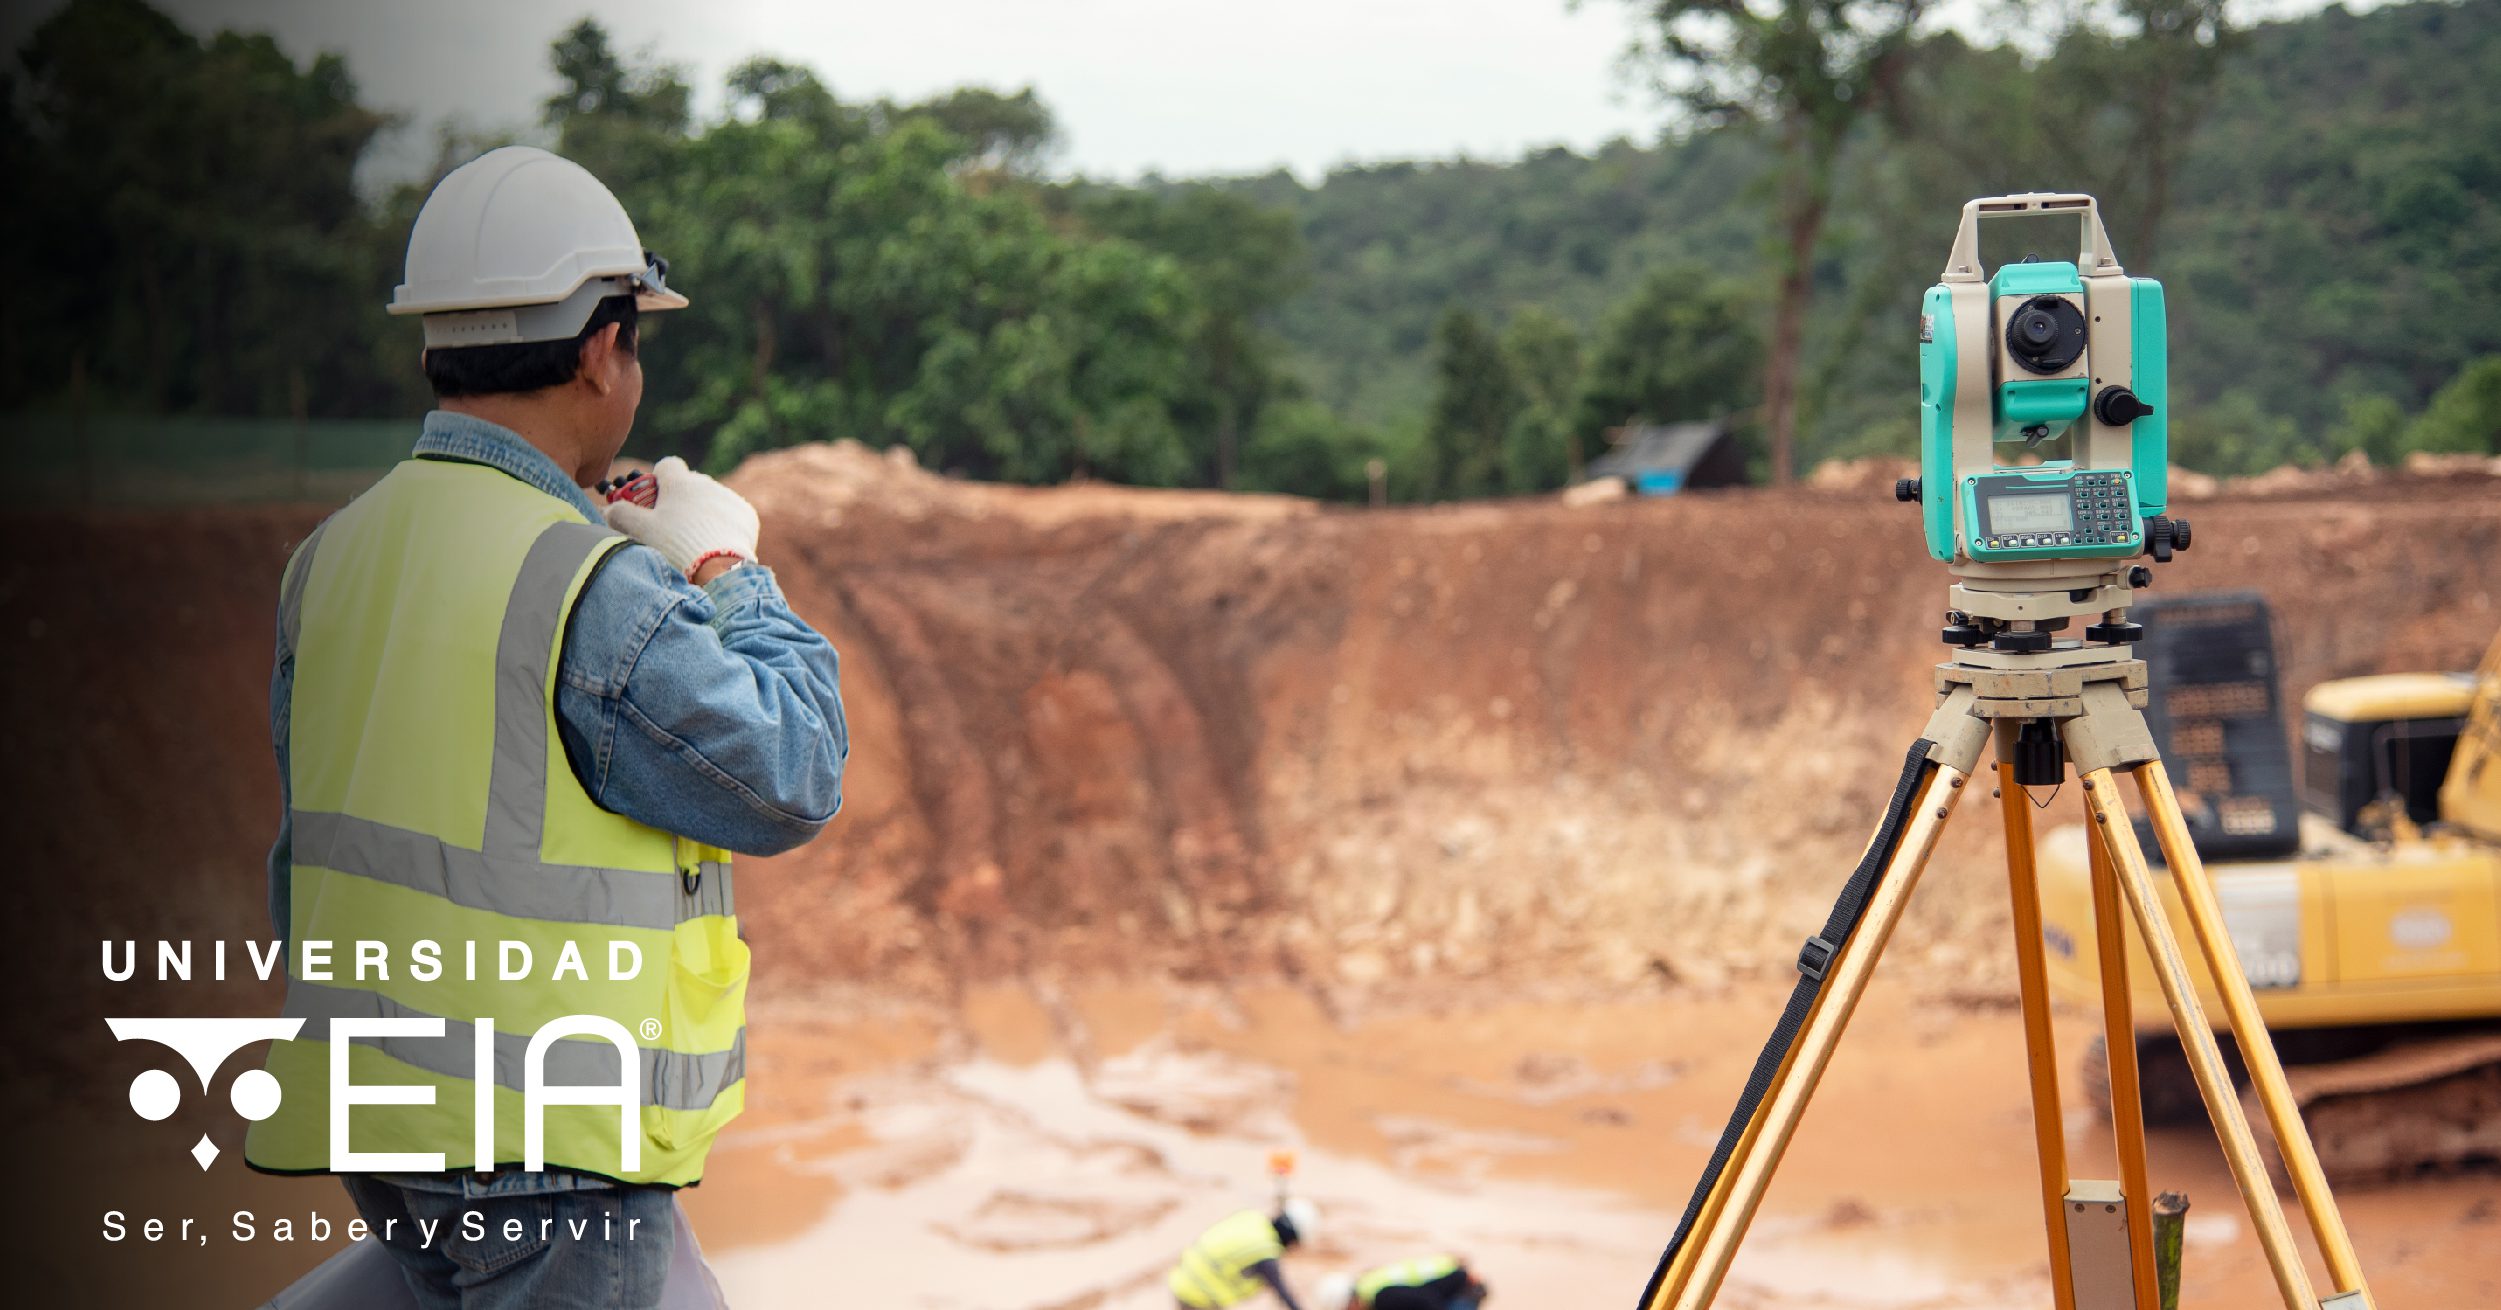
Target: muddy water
[(1059, 1155)]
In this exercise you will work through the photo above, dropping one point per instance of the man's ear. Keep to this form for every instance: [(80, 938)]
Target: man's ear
[(599, 359)]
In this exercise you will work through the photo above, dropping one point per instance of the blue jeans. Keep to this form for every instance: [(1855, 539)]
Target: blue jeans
[(521, 1241)]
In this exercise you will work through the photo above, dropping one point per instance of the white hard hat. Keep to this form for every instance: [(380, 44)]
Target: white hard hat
[(521, 245), (1337, 1292), (1304, 1216)]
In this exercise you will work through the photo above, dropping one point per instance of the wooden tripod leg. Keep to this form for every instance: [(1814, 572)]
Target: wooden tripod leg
[(2127, 1102), (1680, 1275), (2205, 1058), (2240, 1007), (1777, 1122), (2049, 1132)]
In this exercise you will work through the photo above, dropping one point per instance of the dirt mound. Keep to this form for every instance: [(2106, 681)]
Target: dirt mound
[(2356, 473), (810, 488), (1871, 474), (1108, 730)]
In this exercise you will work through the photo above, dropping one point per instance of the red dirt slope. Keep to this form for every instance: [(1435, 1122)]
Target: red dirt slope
[(1105, 730)]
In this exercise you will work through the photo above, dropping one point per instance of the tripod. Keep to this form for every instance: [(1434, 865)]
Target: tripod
[(2038, 709)]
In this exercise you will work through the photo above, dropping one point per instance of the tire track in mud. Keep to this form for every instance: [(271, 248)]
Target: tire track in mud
[(1041, 699), (953, 791), (1185, 700), (1207, 860)]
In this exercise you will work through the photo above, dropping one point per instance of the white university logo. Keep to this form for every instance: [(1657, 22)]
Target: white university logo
[(604, 1064), (204, 1044)]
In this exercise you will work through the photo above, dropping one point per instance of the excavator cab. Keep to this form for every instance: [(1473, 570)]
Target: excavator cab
[(2376, 750)]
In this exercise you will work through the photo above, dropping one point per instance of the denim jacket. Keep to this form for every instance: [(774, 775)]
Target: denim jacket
[(711, 712)]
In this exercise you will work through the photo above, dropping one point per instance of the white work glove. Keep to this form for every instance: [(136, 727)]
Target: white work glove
[(693, 518)]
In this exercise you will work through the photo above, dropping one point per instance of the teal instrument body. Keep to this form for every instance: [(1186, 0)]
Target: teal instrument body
[(1938, 378), (2044, 402), (2151, 377)]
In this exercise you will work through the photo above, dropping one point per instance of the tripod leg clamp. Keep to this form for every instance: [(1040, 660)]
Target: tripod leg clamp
[(1959, 735), (2110, 734)]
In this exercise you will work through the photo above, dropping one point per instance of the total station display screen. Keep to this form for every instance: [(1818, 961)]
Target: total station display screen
[(2031, 514)]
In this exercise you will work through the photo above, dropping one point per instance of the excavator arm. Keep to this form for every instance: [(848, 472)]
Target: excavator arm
[(2470, 796)]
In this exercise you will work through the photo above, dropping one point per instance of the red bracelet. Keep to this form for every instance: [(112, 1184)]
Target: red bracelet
[(711, 555)]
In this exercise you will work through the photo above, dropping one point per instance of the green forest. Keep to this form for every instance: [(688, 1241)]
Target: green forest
[(2322, 197)]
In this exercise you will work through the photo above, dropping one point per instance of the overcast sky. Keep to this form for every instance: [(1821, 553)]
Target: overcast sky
[(1182, 87)]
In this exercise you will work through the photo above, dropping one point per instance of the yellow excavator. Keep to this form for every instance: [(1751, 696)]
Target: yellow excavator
[(2362, 889)]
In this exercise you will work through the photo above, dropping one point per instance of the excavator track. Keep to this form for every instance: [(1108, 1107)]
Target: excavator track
[(2417, 1105)]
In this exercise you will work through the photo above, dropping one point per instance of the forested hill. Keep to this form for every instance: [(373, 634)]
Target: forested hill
[(2322, 196), (2332, 243)]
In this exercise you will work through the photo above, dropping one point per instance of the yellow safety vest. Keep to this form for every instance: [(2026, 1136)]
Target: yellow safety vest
[(433, 803), (1415, 1272), (1214, 1272)]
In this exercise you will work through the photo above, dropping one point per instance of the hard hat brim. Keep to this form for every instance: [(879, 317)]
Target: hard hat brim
[(646, 297), (550, 321)]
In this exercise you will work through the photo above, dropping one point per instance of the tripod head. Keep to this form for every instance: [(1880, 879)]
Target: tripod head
[(2044, 445)]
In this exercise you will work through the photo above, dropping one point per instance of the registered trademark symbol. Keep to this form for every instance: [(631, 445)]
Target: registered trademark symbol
[(651, 1030)]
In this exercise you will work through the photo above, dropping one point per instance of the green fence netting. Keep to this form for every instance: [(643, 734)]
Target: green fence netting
[(63, 461)]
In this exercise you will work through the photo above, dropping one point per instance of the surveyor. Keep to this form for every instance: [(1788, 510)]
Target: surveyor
[(1425, 1282), (529, 738), (1241, 1255)]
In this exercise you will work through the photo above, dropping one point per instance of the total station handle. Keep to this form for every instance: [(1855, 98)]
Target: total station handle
[(2092, 260)]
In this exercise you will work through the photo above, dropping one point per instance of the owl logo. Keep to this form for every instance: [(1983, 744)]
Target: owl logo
[(204, 1044)]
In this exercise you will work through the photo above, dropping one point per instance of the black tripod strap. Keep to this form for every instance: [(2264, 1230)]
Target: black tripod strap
[(1813, 961)]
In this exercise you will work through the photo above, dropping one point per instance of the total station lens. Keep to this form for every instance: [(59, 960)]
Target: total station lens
[(2046, 334)]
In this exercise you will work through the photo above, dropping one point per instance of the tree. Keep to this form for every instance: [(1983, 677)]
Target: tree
[(2235, 435), (194, 206), (2155, 76), (1003, 133), (1246, 259), (858, 288), (1473, 408), (2374, 425), (1301, 448), (1679, 348), (598, 84), (1543, 449), (764, 88), (624, 121), (861, 271), (2464, 415), (1806, 71)]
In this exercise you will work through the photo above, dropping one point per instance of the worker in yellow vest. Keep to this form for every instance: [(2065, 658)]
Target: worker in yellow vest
[(1241, 1255), (519, 733), (1424, 1282)]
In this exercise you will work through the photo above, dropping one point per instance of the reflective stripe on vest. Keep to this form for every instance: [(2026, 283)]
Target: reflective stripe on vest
[(1415, 1272), (1214, 1272), (437, 825)]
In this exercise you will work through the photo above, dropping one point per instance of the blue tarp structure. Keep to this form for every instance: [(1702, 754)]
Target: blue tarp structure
[(1663, 459)]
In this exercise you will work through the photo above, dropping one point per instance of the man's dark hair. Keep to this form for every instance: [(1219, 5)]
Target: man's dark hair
[(526, 365)]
